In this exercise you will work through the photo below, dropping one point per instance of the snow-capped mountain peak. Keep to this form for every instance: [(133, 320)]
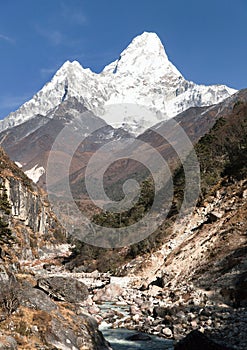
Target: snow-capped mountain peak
[(136, 91), (71, 69), (145, 55)]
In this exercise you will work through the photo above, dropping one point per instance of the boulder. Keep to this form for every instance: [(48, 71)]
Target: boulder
[(36, 299), (161, 312), (154, 291), (81, 333), (167, 332), (94, 310), (133, 309), (109, 293), (64, 289), (196, 340), (7, 343), (139, 336)]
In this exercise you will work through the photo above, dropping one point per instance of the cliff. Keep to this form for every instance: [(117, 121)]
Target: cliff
[(32, 318), (25, 211)]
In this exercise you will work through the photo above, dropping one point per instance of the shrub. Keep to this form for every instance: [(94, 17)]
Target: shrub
[(9, 295), (5, 232)]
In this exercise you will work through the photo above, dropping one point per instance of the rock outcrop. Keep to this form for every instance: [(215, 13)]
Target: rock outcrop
[(26, 213), (196, 340)]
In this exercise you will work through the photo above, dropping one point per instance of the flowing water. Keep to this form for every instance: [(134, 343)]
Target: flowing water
[(118, 337), (118, 341)]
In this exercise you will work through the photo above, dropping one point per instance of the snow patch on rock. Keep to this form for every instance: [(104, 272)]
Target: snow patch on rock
[(18, 164), (35, 173)]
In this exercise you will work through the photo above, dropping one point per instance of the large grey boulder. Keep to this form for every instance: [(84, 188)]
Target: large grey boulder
[(7, 343), (37, 299), (84, 334), (110, 292), (64, 289)]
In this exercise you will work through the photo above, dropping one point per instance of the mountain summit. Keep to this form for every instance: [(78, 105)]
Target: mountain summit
[(143, 56), (136, 91)]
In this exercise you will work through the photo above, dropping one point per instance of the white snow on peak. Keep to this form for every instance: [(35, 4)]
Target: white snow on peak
[(70, 69), (144, 54), (71, 80), (136, 91), (35, 173)]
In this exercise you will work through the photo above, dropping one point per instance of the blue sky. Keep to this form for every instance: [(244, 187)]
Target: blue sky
[(206, 40)]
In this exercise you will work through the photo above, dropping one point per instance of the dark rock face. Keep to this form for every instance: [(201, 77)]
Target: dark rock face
[(139, 336), (160, 282), (162, 312), (241, 291), (98, 341), (65, 289), (29, 207), (30, 219), (236, 294), (195, 340)]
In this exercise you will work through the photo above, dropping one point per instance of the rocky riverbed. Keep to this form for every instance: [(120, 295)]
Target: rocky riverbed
[(122, 305), (166, 314), (169, 315)]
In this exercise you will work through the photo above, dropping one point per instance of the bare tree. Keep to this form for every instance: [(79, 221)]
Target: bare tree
[(9, 295)]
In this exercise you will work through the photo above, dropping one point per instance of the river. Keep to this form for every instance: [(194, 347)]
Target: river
[(118, 341), (118, 338)]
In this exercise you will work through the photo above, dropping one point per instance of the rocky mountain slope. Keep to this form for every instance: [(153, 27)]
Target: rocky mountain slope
[(189, 278), (136, 91), (29, 144), (201, 264), (222, 157), (31, 235), (198, 122), (195, 122)]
